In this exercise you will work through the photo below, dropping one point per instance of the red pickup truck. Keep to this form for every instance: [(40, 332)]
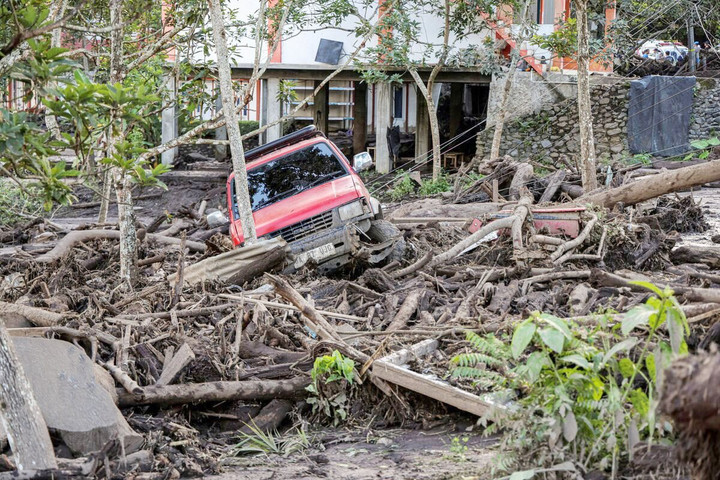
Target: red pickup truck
[(303, 189)]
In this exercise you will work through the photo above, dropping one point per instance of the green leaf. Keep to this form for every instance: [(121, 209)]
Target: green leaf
[(637, 316), (576, 359), (553, 338), (627, 367), (557, 323), (523, 475), (714, 141), (675, 330), (647, 285), (619, 347), (570, 427), (522, 337)]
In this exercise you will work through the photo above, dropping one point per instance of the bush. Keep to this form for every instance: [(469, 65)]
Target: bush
[(404, 187)]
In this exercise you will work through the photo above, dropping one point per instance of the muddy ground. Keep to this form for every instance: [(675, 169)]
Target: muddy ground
[(448, 452)]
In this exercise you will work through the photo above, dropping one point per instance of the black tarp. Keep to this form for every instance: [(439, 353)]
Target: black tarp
[(659, 115)]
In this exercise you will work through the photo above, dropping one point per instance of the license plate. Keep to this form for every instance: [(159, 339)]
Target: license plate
[(317, 254)]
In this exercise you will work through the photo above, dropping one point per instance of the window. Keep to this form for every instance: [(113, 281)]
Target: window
[(398, 102), (291, 174)]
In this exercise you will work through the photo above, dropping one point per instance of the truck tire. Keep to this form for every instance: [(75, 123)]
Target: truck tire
[(381, 231)]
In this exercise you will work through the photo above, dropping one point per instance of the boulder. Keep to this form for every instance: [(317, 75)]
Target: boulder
[(73, 401)]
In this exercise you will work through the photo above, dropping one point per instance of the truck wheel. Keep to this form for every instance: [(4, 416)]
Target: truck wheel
[(382, 231)]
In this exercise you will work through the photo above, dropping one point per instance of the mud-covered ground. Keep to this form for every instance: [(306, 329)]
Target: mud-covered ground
[(447, 452)]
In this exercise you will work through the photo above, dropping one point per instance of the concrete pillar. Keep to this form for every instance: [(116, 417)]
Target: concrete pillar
[(169, 126), (274, 109), (456, 107), (360, 117), (422, 128), (321, 107), (383, 120), (221, 151)]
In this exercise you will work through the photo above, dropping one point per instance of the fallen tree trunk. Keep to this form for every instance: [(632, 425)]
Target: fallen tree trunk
[(656, 185), (36, 316), (215, 392), (707, 295), (406, 310), (710, 256), (64, 246), (270, 417)]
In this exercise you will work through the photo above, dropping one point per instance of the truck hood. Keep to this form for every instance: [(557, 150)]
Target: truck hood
[(304, 205)]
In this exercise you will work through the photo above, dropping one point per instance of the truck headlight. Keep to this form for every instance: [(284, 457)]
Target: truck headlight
[(351, 210)]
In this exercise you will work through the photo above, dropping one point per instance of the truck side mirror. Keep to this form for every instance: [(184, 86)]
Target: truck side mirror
[(362, 161)]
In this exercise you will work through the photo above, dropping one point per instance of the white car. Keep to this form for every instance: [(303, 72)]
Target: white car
[(662, 49)]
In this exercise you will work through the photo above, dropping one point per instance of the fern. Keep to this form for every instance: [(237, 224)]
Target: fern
[(472, 359), (489, 345)]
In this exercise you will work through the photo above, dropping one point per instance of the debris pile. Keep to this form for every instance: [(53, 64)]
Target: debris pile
[(195, 356)]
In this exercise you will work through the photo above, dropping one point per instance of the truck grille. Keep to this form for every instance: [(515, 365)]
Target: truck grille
[(307, 227)]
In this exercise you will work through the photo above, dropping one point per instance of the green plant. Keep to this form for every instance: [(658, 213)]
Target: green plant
[(259, 441), (17, 204), (471, 178), (332, 377), (458, 447), (402, 188), (589, 395), (702, 148), (433, 187), (489, 352)]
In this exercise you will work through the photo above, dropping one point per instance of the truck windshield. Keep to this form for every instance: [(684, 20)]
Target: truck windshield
[(291, 174)]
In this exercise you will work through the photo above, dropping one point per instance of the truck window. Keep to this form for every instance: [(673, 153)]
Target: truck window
[(291, 174)]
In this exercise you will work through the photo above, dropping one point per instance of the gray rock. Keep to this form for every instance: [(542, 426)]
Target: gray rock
[(73, 402), (546, 144), (617, 148), (611, 125), (613, 132)]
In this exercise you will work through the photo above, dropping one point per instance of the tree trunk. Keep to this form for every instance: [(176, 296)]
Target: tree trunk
[(228, 100), (502, 111), (426, 90), (56, 13), (20, 414), (126, 224), (655, 185), (587, 140), (118, 177), (216, 392)]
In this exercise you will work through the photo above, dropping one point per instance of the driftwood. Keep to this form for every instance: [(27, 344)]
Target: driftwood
[(216, 392), (407, 309), (36, 316), (555, 181), (179, 360), (64, 246), (523, 176), (656, 185), (271, 416), (316, 322), (710, 256)]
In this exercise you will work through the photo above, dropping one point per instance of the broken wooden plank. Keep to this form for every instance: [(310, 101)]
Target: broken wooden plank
[(389, 369), (555, 181), (172, 369)]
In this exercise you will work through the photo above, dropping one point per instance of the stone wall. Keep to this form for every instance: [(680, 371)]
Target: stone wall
[(554, 130), (705, 120)]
